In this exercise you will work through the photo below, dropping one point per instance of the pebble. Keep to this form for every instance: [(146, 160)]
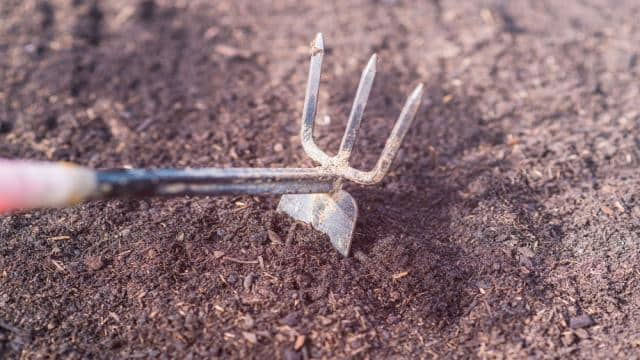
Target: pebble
[(248, 281), (580, 321), (259, 237), (232, 278)]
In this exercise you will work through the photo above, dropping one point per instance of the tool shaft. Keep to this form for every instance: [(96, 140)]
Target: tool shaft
[(34, 184), (212, 181)]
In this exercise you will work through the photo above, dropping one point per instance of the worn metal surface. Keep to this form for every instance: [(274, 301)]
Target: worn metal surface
[(334, 214), (339, 164), (212, 181)]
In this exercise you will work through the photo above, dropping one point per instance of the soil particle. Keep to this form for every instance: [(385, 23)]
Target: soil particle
[(94, 262), (290, 319), (146, 9), (290, 354)]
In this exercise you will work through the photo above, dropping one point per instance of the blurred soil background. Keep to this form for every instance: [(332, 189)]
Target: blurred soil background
[(508, 227)]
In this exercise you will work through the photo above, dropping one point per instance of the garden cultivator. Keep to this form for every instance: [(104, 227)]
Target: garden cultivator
[(312, 195)]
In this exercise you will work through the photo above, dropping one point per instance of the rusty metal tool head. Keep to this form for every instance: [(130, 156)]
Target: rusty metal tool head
[(335, 212), (312, 195)]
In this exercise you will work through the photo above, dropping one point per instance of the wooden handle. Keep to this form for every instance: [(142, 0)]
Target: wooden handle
[(32, 184)]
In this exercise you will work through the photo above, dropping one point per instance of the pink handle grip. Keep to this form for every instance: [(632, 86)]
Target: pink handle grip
[(31, 184)]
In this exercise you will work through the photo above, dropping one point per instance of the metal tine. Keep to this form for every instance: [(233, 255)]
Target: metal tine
[(393, 142), (311, 103), (398, 133), (357, 110)]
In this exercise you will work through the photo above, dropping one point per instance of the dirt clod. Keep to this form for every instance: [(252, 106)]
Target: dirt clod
[(94, 262)]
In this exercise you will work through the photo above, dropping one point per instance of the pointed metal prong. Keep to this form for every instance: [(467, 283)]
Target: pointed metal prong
[(311, 102), (400, 129), (357, 109), (392, 145)]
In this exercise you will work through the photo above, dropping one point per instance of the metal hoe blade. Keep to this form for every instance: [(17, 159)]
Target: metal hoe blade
[(334, 214)]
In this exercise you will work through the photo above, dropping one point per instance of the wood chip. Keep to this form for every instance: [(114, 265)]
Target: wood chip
[(232, 52), (400, 275), (218, 254), (273, 237), (299, 342), (239, 261), (250, 337), (619, 206), (59, 265), (58, 238)]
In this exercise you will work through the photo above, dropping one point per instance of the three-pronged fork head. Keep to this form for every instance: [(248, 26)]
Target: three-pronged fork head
[(335, 213), (339, 164)]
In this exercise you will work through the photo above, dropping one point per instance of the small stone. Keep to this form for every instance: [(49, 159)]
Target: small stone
[(248, 281), (232, 278), (278, 147), (274, 237), (94, 262), (580, 321), (259, 237)]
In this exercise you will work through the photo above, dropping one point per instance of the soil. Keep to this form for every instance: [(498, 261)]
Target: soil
[(508, 226)]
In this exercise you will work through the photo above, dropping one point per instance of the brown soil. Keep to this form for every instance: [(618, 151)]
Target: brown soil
[(509, 225)]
